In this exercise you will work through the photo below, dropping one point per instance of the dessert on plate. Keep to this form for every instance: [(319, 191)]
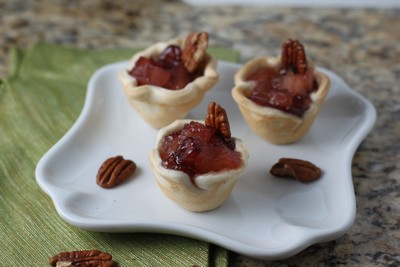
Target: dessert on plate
[(280, 97), (166, 80), (197, 163)]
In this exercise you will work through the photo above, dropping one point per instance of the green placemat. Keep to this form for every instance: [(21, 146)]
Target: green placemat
[(39, 101)]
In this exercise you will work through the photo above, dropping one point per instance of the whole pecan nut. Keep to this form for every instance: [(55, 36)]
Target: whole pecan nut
[(218, 118), (82, 258), (114, 171), (194, 50), (301, 170), (294, 57)]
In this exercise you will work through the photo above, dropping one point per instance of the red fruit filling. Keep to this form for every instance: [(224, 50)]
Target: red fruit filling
[(167, 70), (283, 90), (198, 149)]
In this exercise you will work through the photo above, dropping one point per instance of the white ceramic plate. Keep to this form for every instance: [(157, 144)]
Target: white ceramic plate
[(265, 217)]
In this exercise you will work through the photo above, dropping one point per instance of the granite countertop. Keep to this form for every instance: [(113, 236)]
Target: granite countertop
[(360, 45)]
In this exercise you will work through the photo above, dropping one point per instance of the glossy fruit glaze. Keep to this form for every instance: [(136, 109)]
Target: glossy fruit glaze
[(167, 70), (283, 90), (198, 149)]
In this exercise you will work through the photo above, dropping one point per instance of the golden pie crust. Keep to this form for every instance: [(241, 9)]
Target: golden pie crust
[(211, 189), (273, 125), (160, 106)]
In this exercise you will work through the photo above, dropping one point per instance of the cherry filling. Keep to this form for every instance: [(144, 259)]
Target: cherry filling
[(282, 89), (198, 149), (167, 70)]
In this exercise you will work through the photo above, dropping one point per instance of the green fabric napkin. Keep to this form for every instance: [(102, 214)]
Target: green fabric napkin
[(39, 101)]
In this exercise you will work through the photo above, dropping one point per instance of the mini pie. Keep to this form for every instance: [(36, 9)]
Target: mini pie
[(159, 106), (206, 191), (274, 125)]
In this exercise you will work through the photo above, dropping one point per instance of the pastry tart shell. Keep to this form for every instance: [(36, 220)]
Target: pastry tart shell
[(273, 125), (211, 189), (160, 106)]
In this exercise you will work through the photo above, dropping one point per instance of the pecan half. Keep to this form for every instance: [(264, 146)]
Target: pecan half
[(218, 119), (194, 50), (114, 171), (82, 258), (301, 170), (294, 57)]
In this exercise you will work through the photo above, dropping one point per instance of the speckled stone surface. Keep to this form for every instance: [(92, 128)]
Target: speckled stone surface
[(361, 45)]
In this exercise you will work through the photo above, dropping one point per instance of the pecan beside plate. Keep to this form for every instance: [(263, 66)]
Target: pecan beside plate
[(82, 258)]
